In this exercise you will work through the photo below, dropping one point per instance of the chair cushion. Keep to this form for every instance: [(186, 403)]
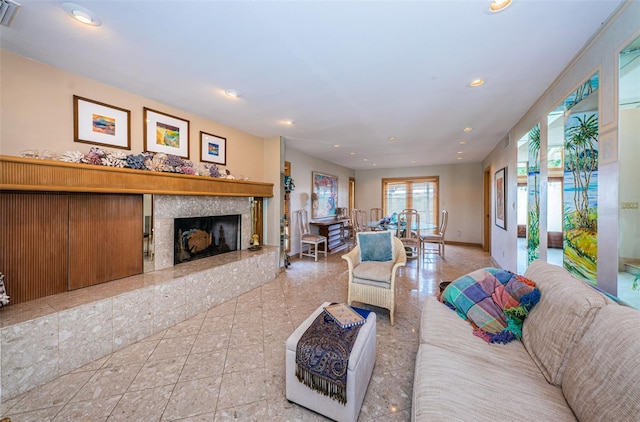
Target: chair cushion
[(374, 270), (431, 238), (375, 246), (313, 238)]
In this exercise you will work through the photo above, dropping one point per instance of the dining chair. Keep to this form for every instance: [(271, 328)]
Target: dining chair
[(312, 241), (347, 226), (438, 237), (359, 220), (376, 214), (409, 232)]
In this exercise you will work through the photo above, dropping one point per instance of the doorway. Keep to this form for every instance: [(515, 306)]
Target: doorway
[(486, 239)]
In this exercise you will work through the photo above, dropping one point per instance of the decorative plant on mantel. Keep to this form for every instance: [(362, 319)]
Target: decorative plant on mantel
[(150, 161)]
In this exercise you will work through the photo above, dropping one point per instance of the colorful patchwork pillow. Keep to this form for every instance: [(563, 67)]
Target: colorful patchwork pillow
[(495, 301), (375, 246)]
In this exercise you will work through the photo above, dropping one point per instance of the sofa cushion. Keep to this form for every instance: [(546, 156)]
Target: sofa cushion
[(454, 387), (601, 378), (565, 311), (373, 271), (440, 326), (375, 246)]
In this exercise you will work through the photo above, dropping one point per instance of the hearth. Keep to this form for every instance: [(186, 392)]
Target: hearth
[(200, 237)]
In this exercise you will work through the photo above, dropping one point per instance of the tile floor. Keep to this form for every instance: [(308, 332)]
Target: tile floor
[(229, 363)]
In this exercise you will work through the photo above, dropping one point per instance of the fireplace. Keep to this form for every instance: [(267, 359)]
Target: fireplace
[(200, 237)]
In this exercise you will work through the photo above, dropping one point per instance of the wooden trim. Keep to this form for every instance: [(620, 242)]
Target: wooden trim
[(28, 174), (453, 242)]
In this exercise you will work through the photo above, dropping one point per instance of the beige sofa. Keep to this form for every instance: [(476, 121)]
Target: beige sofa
[(579, 359)]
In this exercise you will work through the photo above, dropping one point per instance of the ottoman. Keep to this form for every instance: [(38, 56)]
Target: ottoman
[(361, 361)]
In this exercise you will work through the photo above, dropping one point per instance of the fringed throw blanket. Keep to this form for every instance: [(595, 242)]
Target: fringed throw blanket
[(495, 301), (322, 357)]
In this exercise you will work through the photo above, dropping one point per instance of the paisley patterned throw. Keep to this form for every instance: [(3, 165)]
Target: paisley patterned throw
[(322, 357)]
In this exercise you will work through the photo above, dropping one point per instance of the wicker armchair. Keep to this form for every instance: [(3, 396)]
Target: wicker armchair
[(373, 282)]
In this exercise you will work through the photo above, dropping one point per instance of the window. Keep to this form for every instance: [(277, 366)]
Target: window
[(523, 197), (554, 205), (420, 193)]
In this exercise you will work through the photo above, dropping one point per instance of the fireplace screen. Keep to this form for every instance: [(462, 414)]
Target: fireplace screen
[(200, 237)]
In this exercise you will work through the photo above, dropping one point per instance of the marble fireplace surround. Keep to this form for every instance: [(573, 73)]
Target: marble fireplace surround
[(168, 207), (54, 335)]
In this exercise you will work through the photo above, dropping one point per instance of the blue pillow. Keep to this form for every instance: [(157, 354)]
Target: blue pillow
[(376, 246)]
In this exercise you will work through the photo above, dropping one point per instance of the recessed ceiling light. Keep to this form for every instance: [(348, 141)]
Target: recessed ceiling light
[(476, 82), (459, 158), (498, 5), (336, 145), (352, 153), (392, 138), (374, 164), (81, 14), (232, 93), (468, 129), (288, 122), (365, 159), (460, 152), (462, 142), (413, 161)]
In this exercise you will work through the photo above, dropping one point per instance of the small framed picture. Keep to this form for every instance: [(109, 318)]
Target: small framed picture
[(165, 133), (101, 124), (213, 149), (501, 198)]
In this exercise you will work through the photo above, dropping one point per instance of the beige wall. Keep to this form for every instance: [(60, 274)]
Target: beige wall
[(600, 55), (302, 165), (460, 194), (274, 166), (36, 112)]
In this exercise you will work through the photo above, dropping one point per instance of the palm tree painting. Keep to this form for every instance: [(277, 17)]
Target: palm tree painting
[(533, 207), (580, 225)]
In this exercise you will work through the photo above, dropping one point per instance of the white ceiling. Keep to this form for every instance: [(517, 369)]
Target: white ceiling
[(348, 73)]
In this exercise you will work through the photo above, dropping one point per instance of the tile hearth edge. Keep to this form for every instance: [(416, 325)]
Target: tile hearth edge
[(49, 337)]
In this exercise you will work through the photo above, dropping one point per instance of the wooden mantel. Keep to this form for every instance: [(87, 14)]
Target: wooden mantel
[(30, 174)]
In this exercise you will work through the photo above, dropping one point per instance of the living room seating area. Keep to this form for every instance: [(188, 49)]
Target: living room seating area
[(577, 359), (228, 363)]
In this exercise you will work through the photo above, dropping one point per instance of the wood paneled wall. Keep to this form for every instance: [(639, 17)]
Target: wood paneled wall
[(51, 243), (34, 235), (105, 238)]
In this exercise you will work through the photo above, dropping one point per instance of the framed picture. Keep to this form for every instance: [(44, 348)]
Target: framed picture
[(324, 196), (501, 198), (165, 133), (101, 124), (213, 149)]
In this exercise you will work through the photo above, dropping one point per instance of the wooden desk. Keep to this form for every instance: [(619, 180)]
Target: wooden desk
[(332, 229)]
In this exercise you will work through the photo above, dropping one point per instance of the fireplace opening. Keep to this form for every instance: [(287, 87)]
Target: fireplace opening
[(201, 237)]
